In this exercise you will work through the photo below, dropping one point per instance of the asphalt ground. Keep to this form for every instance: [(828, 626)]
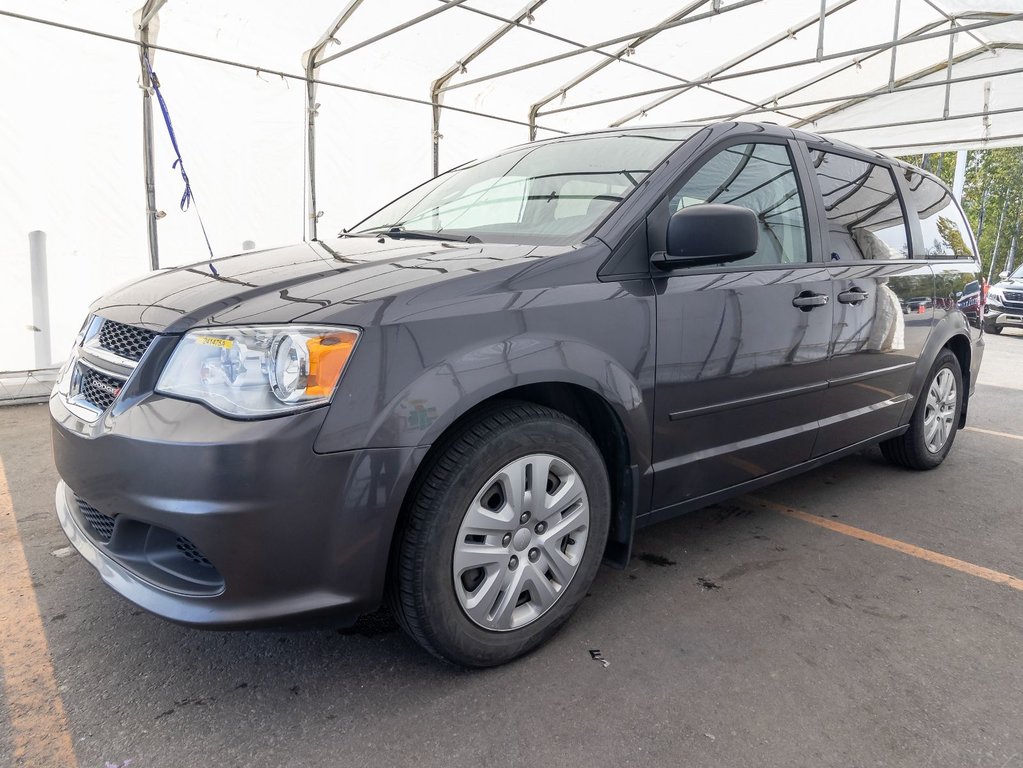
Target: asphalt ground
[(858, 615)]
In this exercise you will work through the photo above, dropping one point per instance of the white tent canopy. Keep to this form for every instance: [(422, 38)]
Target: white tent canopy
[(303, 118)]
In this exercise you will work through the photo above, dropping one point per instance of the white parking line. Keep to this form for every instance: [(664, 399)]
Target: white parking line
[(992, 432)]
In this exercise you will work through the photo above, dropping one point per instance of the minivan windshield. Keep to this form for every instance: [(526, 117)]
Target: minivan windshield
[(553, 192)]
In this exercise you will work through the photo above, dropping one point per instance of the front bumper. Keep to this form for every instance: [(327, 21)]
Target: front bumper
[(277, 530), (1003, 316)]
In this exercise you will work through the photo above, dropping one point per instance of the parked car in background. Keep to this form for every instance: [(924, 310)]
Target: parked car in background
[(971, 302), (1004, 307), (918, 304), (464, 404)]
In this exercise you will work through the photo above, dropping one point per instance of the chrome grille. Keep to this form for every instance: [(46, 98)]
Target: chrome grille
[(97, 388), (125, 340), (101, 526)]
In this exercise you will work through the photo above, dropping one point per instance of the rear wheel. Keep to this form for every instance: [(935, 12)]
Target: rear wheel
[(932, 429), (503, 537)]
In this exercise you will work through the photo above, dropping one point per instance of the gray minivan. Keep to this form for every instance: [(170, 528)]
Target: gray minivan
[(465, 403)]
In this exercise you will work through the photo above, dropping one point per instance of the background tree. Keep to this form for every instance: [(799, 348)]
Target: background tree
[(992, 199)]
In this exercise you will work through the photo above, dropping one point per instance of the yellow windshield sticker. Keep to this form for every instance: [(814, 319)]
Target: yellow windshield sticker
[(215, 341)]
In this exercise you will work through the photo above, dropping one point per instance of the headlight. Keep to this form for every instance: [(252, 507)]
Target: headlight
[(994, 296), (260, 371)]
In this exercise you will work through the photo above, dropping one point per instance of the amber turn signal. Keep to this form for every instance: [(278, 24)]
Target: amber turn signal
[(328, 355)]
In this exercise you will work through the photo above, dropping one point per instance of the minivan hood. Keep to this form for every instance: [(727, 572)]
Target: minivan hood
[(284, 284)]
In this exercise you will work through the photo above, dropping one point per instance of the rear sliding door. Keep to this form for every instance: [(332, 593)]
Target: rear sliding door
[(876, 340)]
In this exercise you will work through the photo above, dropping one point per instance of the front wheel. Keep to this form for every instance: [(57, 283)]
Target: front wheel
[(935, 421), (503, 536), (992, 327)]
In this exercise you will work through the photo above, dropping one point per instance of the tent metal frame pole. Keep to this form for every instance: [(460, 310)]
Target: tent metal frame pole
[(746, 56), (716, 4), (312, 214), (609, 56), (318, 80), (771, 103), (948, 68), (820, 29), (987, 109), (922, 121), (448, 5), (627, 49), (147, 13), (949, 17), (260, 70), (909, 83), (149, 170), (1002, 19), (895, 49), (310, 60), (459, 67), (595, 48), (954, 142)]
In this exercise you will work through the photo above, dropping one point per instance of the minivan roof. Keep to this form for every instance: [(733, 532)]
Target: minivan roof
[(767, 129)]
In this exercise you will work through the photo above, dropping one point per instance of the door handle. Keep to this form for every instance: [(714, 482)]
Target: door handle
[(807, 300), (853, 296)]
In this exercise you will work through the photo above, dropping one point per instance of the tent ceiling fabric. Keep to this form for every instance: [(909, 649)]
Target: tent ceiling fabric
[(392, 98), (754, 59)]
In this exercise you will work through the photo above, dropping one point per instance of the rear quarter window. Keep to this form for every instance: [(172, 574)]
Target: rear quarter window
[(946, 235)]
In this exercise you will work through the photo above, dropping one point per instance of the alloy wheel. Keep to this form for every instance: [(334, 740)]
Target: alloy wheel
[(940, 411)]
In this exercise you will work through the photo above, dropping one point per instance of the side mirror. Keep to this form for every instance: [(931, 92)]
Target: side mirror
[(1003, 275), (709, 234)]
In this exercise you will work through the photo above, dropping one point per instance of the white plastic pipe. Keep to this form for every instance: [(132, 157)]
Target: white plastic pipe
[(959, 180), (40, 298)]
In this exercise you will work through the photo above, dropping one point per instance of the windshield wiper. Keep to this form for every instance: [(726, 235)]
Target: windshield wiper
[(400, 233)]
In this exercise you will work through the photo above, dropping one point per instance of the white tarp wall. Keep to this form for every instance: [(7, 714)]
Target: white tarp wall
[(71, 160)]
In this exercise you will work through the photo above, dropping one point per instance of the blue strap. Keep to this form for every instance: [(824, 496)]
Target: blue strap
[(188, 198)]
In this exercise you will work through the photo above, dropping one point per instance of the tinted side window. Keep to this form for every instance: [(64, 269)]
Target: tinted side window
[(865, 217), (759, 177), (946, 234)]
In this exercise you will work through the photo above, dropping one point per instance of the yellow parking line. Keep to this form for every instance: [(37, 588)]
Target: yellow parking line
[(38, 724), (899, 546), (992, 432)]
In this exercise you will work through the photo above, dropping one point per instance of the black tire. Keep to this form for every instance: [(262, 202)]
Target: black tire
[(910, 449), (422, 590), (994, 328)]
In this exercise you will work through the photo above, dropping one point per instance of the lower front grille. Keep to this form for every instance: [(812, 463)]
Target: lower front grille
[(97, 388), (100, 526), (158, 555), (189, 550)]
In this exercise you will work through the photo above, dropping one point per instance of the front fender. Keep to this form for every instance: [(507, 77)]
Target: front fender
[(440, 394)]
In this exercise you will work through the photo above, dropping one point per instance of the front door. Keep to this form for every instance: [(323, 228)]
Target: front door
[(741, 348)]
